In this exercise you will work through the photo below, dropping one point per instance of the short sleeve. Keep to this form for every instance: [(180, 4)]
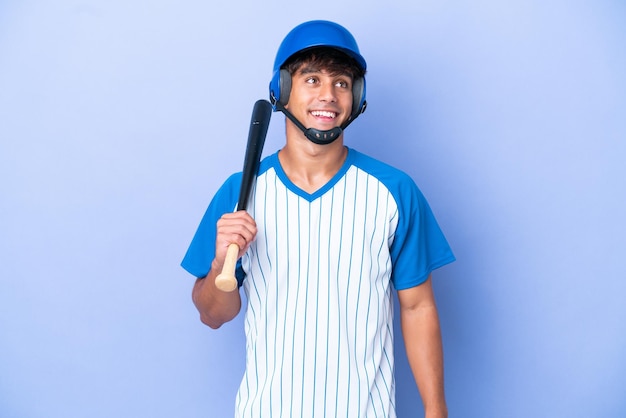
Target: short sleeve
[(419, 245), (201, 251)]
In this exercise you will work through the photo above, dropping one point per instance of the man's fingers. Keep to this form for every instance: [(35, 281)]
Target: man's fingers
[(234, 228), (230, 229)]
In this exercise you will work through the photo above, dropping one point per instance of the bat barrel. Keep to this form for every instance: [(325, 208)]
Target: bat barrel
[(259, 124)]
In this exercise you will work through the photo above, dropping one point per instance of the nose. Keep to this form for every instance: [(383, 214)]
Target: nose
[(327, 93)]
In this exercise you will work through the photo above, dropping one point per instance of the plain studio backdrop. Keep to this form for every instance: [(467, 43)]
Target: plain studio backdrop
[(119, 120)]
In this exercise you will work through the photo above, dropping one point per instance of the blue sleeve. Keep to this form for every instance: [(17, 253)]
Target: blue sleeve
[(201, 251), (419, 245)]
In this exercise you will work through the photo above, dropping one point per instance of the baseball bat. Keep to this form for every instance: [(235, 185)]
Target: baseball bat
[(261, 114)]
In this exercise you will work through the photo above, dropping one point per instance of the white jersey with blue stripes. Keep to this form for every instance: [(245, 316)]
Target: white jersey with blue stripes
[(318, 281)]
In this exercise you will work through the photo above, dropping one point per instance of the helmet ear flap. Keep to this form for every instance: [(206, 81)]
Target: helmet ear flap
[(358, 97), (284, 84)]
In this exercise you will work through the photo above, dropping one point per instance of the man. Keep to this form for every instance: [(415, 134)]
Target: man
[(328, 233)]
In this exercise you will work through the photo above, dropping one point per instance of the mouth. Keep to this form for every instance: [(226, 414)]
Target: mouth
[(325, 114)]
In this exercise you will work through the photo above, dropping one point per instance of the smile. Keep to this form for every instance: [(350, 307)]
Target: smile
[(323, 114)]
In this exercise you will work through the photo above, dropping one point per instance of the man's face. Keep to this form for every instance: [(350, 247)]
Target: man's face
[(318, 99)]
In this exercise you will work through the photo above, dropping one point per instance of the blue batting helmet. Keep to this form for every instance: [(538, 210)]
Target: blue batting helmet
[(316, 33)]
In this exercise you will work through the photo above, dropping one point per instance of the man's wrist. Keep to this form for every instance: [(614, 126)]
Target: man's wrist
[(216, 267), (436, 411)]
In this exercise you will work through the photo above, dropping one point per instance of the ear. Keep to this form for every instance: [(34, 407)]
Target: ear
[(284, 84)]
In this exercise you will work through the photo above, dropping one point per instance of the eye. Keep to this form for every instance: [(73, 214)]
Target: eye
[(310, 80), (342, 84)]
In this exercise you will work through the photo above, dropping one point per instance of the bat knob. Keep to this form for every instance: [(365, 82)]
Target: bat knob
[(226, 283)]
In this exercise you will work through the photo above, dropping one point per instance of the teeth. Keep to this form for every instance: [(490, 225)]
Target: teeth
[(323, 113)]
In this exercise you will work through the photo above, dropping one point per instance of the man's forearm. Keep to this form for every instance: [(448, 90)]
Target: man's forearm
[(215, 306), (422, 337)]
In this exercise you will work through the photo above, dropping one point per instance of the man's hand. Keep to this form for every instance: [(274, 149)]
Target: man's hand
[(233, 228)]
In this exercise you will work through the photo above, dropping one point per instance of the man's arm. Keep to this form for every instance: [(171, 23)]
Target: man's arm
[(422, 339), (215, 306)]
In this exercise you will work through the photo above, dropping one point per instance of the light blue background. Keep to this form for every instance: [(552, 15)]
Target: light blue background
[(119, 120)]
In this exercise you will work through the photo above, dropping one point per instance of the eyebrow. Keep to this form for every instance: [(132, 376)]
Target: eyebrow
[(308, 69)]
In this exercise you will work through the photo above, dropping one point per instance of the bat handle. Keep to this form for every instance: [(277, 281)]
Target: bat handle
[(226, 280)]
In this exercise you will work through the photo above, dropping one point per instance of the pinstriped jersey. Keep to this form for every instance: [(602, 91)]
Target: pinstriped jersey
[(318, 281)]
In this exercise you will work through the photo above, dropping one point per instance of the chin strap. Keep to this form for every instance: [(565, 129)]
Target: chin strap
[(314, 135)]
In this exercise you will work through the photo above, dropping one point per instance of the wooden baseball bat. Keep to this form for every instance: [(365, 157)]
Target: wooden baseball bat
[(261, 115)]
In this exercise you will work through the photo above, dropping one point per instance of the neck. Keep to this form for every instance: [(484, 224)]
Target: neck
[(310, 166)]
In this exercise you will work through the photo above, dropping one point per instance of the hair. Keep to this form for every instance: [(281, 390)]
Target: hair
[(325, 58)]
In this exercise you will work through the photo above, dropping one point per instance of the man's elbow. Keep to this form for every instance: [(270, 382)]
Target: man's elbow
[(215, 320), (213, 313), (211, 322)]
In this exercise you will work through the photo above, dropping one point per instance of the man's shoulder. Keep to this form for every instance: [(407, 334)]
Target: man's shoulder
[(381, 170), (267, 162)]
